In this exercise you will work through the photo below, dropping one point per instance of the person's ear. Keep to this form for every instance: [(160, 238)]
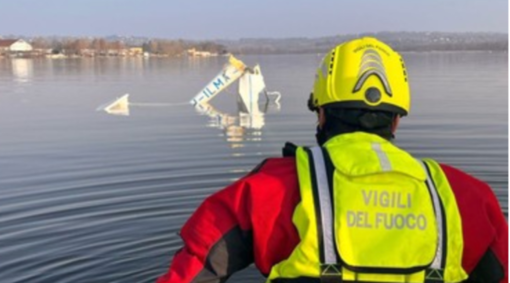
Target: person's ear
[(322, 117), (394, 125)]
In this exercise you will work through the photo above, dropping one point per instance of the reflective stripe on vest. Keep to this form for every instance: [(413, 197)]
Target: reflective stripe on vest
[(438, 262), (325, 204), (453, 241), (316, 256)]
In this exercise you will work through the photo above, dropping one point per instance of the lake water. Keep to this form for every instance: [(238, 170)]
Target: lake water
[(90, 197)]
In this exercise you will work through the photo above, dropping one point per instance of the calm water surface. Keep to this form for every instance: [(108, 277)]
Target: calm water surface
[(90, 197)]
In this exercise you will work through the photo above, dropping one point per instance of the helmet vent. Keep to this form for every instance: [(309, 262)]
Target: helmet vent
[(331, 63), (403, 68)]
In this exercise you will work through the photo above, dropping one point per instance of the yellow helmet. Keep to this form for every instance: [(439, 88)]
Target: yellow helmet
[(362, 73)]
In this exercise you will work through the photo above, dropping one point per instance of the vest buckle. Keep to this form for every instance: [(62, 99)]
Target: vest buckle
[(331, 273)]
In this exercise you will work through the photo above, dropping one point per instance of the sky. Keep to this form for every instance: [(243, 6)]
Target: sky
[(230, 19)]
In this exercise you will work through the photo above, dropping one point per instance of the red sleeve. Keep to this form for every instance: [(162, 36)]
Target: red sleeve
[(484, 226), (221, 214), (249, 221)]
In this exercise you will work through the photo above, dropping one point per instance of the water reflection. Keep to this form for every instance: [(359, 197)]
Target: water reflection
[(22, 70), (245, 125)]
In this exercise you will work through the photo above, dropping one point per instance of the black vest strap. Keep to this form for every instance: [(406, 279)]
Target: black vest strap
[(289, 150)]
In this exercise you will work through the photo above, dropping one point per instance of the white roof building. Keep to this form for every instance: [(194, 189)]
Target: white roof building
[(15, 45)]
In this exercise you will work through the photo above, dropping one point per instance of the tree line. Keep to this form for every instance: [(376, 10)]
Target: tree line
[(400, 41), (79, 46)]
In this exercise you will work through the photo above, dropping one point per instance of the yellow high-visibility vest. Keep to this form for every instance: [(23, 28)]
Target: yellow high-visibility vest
[(370, 212)]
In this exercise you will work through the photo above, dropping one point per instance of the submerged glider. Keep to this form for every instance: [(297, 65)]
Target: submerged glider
[(120, 106), (251, 85)]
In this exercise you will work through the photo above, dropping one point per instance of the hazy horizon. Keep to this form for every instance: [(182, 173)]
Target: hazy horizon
[(4, 36), (228, 20)]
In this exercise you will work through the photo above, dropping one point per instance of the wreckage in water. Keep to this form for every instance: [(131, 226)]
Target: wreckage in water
[(119, 106), (251, 85)]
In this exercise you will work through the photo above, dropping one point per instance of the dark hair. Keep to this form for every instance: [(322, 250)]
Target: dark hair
[(342, 120)]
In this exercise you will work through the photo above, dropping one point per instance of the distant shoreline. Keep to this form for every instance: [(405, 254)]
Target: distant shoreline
[(64, 57), (127, 46)]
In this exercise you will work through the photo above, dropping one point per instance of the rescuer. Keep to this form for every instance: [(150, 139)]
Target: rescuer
[(355, 208)]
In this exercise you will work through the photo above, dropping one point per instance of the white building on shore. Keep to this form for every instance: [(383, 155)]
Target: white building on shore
[(197, 53), (14, 46)]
